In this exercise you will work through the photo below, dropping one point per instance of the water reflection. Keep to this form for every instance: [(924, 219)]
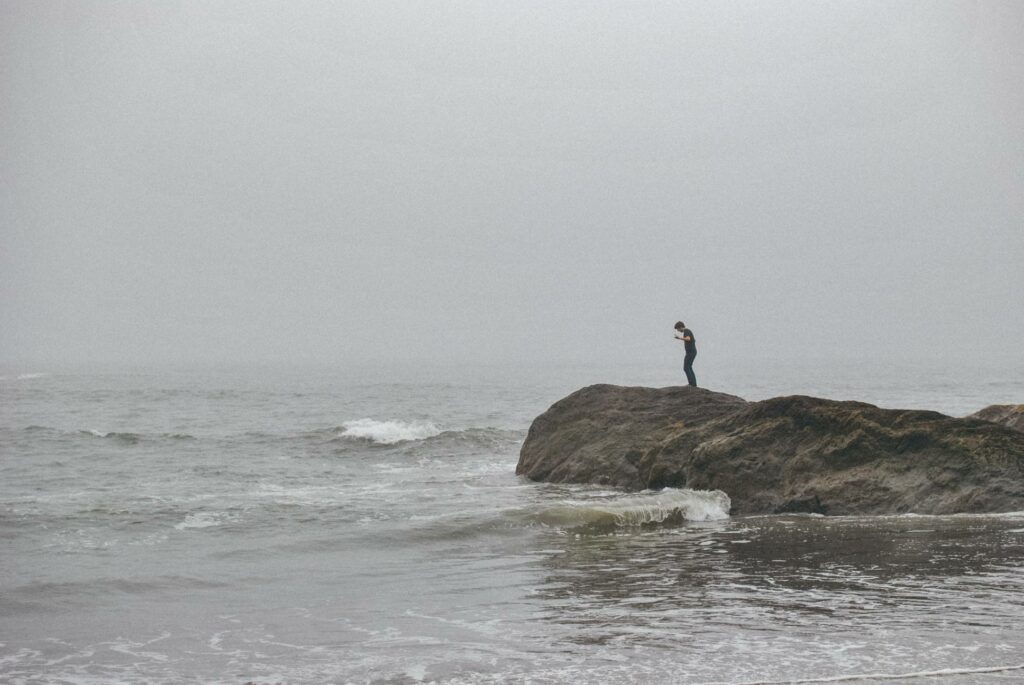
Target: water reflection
[(689, 586)]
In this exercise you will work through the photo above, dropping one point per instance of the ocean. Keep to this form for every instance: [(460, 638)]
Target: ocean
[(316, 525)]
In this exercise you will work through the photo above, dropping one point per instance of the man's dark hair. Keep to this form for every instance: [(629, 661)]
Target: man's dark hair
[(680, 325)]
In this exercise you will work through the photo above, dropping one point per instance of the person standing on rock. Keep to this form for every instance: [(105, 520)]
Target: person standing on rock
[(686, 335)]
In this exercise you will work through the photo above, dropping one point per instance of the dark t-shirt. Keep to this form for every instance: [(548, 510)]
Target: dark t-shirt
[(691, 344)]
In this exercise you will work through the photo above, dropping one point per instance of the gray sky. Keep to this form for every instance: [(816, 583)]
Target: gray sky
[(524, 181)]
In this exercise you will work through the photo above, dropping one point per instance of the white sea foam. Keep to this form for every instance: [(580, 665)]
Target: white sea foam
[(881, 676), (389, 432), (202, 519)]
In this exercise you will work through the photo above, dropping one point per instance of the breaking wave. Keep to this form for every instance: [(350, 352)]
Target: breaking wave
[(389, 432), (201, 519), (126, 438), (663, 506), (23, 376)]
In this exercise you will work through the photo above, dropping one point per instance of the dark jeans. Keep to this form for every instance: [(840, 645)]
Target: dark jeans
[(688, 367)]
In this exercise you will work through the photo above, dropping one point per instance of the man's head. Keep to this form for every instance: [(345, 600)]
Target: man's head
[(680, 325)]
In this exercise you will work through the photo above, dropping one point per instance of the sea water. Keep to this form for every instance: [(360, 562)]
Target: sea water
[(300, 525)]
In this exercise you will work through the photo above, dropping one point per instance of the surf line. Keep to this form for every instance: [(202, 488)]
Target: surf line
[(878, 676)]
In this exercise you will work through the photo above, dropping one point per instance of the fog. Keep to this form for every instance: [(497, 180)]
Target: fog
[(455, 182)]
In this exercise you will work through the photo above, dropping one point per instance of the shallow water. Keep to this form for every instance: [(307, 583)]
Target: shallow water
[(225, 526)]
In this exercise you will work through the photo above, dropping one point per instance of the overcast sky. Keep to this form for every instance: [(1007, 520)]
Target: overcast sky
[(510, 181)]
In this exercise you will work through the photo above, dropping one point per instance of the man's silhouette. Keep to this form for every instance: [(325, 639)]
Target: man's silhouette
[(686, 335)]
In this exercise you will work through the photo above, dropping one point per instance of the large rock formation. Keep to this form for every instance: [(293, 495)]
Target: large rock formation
[(787, 454)]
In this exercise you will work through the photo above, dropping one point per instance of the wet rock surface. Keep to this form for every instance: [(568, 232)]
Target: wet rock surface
[(785, 454)]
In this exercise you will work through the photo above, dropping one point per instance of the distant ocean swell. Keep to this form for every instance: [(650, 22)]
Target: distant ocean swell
[(24, 377), (369, 436), (366, 431), (123, 437)]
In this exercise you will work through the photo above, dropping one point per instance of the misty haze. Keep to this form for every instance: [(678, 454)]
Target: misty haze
[(284, 288), (339, 182)]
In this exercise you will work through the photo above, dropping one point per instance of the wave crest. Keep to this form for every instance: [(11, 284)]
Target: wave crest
[(126, 438), (389, 432), (663, 506), (23, 376), (202, 519)]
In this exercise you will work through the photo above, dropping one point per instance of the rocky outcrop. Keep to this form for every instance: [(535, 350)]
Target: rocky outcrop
[(1011, 415), (787, 454)]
